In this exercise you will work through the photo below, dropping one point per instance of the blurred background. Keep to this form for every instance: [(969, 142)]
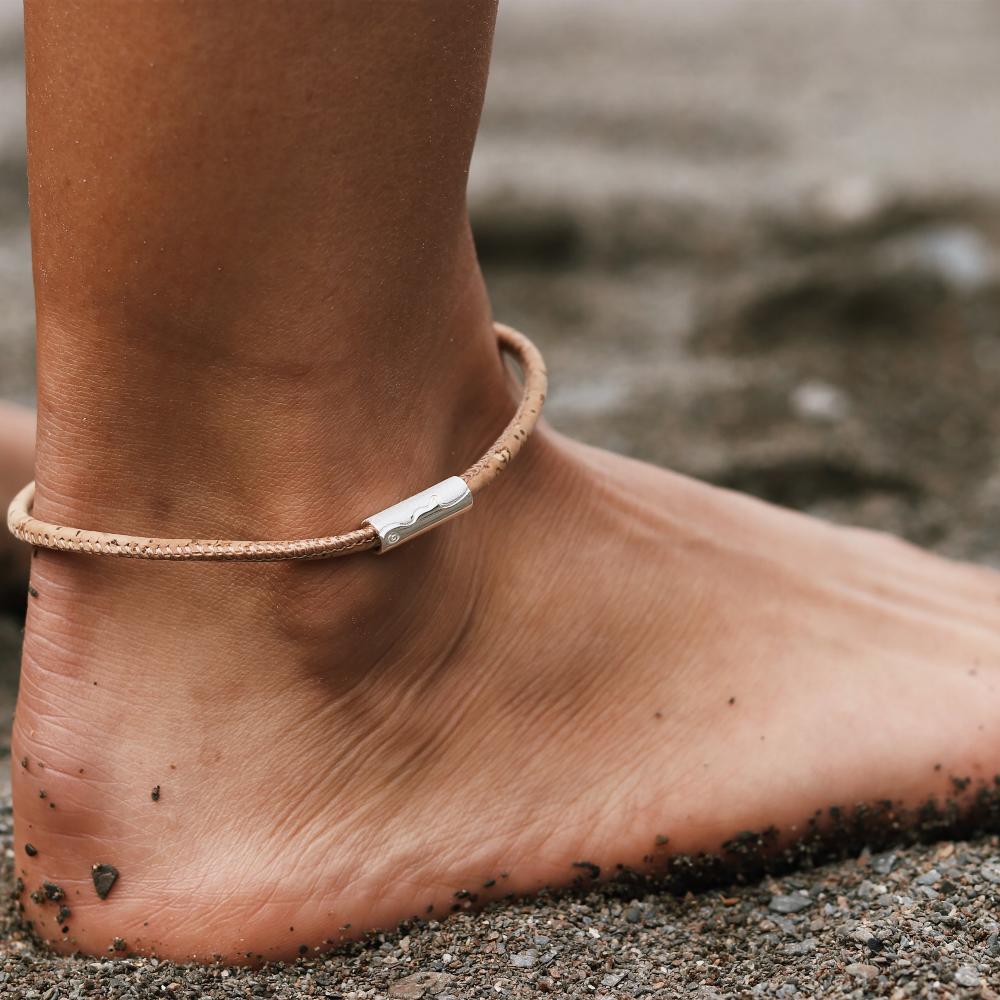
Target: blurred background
[(758, 241)]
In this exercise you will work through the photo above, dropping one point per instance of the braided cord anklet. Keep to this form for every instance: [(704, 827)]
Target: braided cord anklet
[(381, 532)]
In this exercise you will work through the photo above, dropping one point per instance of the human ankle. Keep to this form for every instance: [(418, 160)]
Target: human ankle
[(234, 465), (271, 442)]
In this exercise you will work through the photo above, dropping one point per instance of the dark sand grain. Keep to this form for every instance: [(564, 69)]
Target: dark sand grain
[(104, 877)]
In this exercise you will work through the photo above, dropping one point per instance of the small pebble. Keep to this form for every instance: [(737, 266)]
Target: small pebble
[(420, 984), (882, 864), (801, 947), (104, 877), (967, 976), (789, 904), (53, 891), (860, 970)]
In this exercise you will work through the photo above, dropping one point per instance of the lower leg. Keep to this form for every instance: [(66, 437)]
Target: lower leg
[(253, 262)]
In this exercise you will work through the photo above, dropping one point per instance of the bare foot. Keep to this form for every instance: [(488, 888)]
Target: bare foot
[(603, 653), (17, 459)]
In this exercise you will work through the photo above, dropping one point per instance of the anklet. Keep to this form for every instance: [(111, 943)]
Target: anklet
[(382, 532)]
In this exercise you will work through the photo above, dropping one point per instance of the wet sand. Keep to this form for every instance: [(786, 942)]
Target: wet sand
[(758, 243)]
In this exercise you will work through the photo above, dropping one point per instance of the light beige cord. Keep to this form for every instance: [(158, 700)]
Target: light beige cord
[(51, 536)]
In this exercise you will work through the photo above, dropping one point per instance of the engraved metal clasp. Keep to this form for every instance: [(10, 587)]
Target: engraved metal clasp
[(419, 513)]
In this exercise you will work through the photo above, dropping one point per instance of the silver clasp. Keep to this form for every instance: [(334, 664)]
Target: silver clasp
[(419, 513)]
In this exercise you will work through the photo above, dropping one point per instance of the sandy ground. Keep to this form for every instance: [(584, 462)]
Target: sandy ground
[(759, 242), (907, 923)]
